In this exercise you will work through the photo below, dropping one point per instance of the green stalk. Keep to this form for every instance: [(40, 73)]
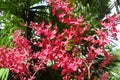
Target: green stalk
[(88, 69)]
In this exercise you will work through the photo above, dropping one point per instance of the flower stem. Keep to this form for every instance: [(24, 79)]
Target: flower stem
[(88, 69)]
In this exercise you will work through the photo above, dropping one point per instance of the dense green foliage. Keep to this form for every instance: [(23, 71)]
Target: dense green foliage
[(114, 68)]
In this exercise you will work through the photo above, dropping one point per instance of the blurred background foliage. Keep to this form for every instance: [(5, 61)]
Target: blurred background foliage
[(9, 24), (15, 13), (114, 67)]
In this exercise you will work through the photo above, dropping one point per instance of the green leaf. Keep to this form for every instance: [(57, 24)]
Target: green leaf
[(4, 73), (50, 63), (32, 2)]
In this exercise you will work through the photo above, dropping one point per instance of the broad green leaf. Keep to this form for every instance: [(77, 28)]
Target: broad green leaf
[(4, 73)]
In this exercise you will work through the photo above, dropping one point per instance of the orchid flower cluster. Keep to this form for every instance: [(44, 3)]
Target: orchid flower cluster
[(74, 51)]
